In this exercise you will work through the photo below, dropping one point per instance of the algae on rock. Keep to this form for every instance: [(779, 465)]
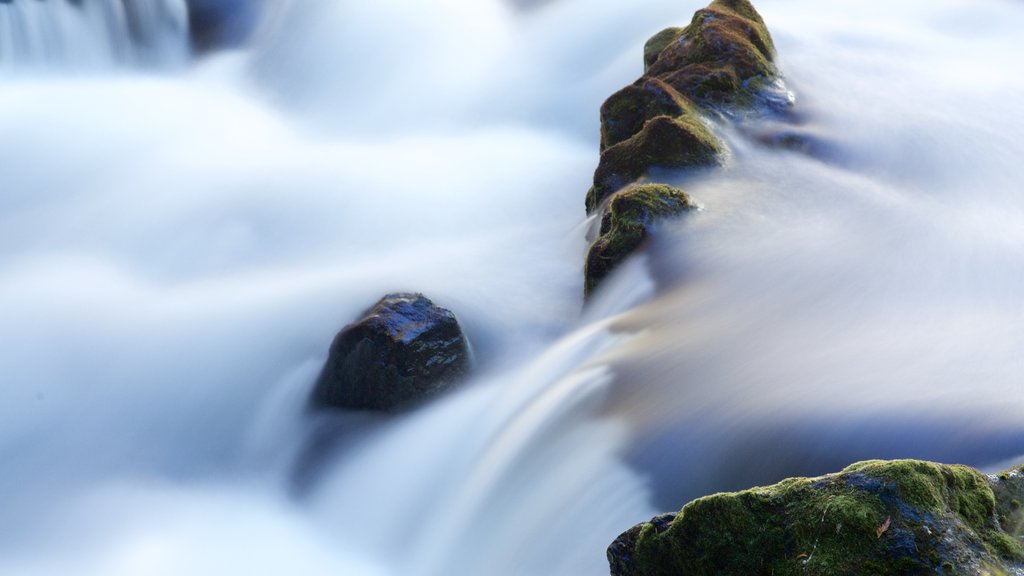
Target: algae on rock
[(725, 55), (664, 142), (877, 517), (722, 58), (625, 225)]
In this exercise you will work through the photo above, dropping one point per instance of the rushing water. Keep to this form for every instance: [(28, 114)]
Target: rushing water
[(180, 240)]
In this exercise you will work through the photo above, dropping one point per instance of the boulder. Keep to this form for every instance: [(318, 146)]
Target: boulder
[(625, 113), (723, 58), (626, 223), (402, 351), (879, 518), (725, 55), (664, 142)]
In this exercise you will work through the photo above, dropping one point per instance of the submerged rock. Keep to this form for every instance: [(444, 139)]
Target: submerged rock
[(215, 24), (625, 224), (404, 350), (880, 518)]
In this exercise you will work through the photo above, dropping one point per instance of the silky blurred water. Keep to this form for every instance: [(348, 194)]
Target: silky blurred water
[(180, 239)]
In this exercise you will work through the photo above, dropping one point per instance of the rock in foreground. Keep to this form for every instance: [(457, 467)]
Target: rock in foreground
[(404, 350), (878, 518)]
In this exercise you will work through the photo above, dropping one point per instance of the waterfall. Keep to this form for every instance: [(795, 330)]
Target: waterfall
[(92, 33)]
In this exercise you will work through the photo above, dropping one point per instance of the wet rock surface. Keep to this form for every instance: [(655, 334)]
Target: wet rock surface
[(664, 142), (725, 55), (720, 63), (722, 60), (878, 517), (401, 352), (626, 223)]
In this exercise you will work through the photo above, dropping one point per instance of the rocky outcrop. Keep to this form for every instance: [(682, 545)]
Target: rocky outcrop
[(879, 518), (663, 142), (721, 62), (725, 55), (627, 221), (723, 58), (402, 351)]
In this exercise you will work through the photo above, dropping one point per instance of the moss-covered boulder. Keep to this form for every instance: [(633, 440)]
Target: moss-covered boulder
[(655, 44), (902, 517), (402, 351), (725, 55), (664, 142), (625, 113), (626, 223)]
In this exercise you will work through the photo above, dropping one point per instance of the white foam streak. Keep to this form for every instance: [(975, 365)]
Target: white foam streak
[(496, 452)]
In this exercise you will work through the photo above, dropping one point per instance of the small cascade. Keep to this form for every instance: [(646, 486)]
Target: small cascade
[(92, 33)]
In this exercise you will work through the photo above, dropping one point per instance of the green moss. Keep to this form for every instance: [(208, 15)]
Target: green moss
[(759, 31), (626, 223), (725, 56), (877, 517), (937, 488), (655, 44), (664, 142), (625, 113)]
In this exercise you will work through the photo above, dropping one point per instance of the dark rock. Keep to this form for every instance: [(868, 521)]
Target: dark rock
[(880, 518), (620, 553), (403, 350), (625, 225)]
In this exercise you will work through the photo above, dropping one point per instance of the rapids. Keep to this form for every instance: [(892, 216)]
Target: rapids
[(181, 236)]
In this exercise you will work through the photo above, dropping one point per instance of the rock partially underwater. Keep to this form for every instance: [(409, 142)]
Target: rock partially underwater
[(721, 62), (626, 222), (664, 142), (724, 58), (401, 352), (882, 518)]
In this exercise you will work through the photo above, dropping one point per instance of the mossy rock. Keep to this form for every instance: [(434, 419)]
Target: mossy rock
[(876, 518), (664, 142), (625, 225), (625, 113), (655, 44), (725, 55)]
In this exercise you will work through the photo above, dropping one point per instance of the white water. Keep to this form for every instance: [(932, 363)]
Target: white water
[(177, 249)]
